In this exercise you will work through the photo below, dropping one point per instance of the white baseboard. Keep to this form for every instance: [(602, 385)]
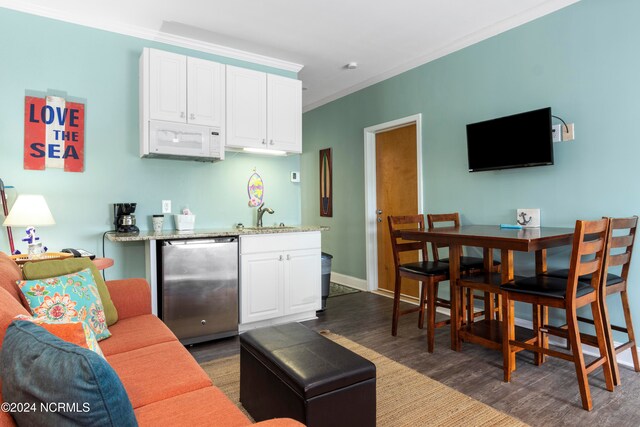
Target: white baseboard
[(350, 281), (623, 358)]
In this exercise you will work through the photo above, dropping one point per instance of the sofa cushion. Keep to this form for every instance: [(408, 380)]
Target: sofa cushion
[(136, 332), (77, 333), (70, 298), (41, 369), (54, 268), (213, 409), (9, 275), (158, 372), (9, 308)]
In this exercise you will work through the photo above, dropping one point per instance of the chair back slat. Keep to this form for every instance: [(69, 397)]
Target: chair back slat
[(589, 240), (453, 219), (399, 245), (592, 247), (619, 259), (624, 241), (588, 267)]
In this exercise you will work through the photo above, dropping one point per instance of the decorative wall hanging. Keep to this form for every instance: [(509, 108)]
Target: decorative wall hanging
[(255, 189), (326, 183), (53, 134)]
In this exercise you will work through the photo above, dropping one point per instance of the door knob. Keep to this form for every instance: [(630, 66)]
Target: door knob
[(203, 322), (379, 212)]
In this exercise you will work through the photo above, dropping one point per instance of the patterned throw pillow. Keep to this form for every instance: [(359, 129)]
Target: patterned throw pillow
[(69, 298), (77, 333)]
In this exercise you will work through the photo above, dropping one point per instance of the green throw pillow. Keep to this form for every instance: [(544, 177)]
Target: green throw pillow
[(59, 267)]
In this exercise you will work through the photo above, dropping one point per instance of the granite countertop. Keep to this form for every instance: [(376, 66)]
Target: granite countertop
[(196, 234)]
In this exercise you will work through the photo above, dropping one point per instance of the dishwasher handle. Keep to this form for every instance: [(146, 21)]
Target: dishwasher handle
[(204, 241)]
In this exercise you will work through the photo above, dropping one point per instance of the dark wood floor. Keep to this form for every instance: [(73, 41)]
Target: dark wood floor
[(540, 396)]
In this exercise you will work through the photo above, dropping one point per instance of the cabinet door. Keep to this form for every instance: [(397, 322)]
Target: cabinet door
[(168, 86), (302, 281), (246, 108), (261, 287), (284, 113), (205, 92)]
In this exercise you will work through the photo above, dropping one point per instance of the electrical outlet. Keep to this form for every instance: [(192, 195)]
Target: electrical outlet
[(557, 133), (166, 206), (568, 132)]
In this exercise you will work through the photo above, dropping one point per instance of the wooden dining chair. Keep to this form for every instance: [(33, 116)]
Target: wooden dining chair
[(428, 273), (468, 265), (619, 250), (587, 257)]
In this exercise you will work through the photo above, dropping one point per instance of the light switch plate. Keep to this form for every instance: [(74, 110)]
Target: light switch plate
[(295, 176), (528, 218), (166, 206), (568, 132)]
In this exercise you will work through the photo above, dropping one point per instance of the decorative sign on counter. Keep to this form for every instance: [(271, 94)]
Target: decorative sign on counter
[(326, 183), (53, 134), (255, 189)]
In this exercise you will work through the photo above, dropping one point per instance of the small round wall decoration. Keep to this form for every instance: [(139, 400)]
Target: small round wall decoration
[(255, 189)]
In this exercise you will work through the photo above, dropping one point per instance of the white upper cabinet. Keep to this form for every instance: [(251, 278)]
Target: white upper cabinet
[(284, 117), (185, 90), (246, 108), (167, 86), (205, 92), (263, 111)]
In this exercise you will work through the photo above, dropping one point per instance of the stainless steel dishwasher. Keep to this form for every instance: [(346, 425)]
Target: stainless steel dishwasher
[(199, 288)]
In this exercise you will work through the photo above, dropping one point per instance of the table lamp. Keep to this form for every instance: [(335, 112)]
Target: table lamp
[(28, 211)]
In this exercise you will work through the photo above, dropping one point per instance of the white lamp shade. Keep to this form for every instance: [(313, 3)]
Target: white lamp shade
[(29, 210)]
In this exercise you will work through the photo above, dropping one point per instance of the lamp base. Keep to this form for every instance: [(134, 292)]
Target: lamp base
[(35, 251)]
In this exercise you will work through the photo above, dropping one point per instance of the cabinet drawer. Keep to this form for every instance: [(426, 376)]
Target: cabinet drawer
[(258, 243)]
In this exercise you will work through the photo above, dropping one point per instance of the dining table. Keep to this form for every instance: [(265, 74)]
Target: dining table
[(488, 332)]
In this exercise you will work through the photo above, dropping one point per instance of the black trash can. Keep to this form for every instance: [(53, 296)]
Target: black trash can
[(326, 277)]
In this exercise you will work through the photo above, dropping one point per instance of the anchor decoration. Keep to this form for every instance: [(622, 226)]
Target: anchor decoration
[(524, 220), (528, 218)]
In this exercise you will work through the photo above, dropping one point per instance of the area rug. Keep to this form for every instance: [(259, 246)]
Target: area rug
[(336, 290), (404, 397)]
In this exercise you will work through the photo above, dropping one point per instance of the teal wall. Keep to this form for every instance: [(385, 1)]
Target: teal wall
[(100, 68), (580, 60)]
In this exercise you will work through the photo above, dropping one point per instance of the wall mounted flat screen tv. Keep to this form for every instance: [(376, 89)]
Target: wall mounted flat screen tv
[(517, 141)]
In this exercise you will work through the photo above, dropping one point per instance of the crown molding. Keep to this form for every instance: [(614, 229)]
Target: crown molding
[(471, 39), (156, 36)]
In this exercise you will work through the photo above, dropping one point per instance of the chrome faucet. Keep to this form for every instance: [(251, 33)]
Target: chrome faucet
[(261, 212)]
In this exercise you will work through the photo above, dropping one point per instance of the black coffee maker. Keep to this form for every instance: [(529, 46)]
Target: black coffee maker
[(124, 219)]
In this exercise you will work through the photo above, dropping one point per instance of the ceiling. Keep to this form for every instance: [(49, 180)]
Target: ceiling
[(385, 38)]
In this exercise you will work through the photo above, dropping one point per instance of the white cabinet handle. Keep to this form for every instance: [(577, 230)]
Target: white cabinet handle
[(271, 142), (288, 257), (264, 141), (182, 115), (281, 258), (192, 116)]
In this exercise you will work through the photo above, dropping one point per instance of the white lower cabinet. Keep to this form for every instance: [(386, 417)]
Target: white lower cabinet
[(279, 276)]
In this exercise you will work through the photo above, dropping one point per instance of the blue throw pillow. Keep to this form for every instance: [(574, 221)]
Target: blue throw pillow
[(57, 383)]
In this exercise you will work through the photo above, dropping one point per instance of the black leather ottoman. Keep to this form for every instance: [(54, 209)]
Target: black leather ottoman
[(291, 371)]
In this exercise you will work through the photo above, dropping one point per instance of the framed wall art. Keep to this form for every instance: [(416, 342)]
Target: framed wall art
[(326, 183)]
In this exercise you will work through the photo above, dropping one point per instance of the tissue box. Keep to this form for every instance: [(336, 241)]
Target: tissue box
[(184, 222)]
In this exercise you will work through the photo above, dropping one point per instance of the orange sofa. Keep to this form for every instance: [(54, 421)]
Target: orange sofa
[(165, 384)]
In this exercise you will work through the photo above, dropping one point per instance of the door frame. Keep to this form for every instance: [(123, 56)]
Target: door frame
[(370, 196)]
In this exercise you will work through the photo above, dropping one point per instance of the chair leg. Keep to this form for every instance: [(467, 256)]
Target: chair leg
[(431, 314), (508, 333), (537, 324), (578, 359), (470, 306), (608, 340), (630, 333), (396, 306), (601, 334), (423, 299)]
